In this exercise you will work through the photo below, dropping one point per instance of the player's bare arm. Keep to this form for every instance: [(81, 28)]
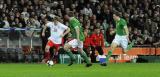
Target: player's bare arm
[(113, 32), (127, 32), (44, 29), (66, 32), (77, 32)]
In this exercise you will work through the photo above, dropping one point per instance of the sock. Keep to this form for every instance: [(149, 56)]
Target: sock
[(47, 55), (109, 55), (70, 54), (84, 56), (130, 45)]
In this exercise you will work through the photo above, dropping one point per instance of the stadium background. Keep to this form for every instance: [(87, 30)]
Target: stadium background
[(22, 20), (21, 47)]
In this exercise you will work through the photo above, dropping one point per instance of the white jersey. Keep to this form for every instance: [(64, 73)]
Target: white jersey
[(56, 31)]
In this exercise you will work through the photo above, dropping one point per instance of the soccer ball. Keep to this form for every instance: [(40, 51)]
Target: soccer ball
[(50, 63)]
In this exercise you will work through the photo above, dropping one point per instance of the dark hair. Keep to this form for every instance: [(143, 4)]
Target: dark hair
[(71, 14), (96, 27), (117, 13)]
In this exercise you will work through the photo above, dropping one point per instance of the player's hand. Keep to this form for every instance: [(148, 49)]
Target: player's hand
[(62, 35), (43, 34), (128, 39), (78, 41), (112, 32)]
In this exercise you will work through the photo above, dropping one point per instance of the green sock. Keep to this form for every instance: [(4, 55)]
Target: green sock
[(70, 54), (131, 45), (108, 56), (84, 56)]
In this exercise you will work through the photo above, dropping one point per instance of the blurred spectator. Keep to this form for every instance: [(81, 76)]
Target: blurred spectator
[(140, 24), (1, 23), (87, 10), (6, 23), (87, 42), (143, 15), (109, 36), (17, 23)]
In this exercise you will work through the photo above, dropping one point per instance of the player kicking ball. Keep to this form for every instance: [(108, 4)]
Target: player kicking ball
[(121, 37), (58, 31), (77, 39)]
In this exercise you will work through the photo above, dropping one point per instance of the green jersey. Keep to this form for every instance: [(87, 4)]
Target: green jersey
[(120, 27), (73, 24)]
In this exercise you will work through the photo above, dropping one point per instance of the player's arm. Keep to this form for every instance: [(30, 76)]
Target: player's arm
[(113, 32), (44, 29), (67, 29), (126, 29), (77, 32), (66, 32), (127, 32)]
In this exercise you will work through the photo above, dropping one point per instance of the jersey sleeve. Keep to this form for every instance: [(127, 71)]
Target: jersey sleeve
[(74, 23), (63, 26), (48, 24), (124, 23)]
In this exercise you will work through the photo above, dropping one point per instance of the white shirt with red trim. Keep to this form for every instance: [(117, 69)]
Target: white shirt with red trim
[(56, 30)]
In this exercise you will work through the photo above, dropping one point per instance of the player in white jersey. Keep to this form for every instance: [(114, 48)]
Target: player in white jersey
[(58, 31)]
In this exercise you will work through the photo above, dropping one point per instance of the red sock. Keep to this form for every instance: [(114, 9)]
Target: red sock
[(47, 55)]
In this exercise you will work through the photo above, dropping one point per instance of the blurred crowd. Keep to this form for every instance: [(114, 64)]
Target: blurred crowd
[(143, 16)]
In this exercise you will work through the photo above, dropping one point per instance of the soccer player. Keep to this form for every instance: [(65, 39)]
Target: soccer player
[(121, 37), (77, 39), (58, 31)]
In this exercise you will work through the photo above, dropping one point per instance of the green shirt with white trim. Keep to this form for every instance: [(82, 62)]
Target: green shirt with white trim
[(73, 24)]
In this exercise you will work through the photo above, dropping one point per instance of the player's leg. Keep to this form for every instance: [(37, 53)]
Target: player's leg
[(124, 44), (55, 55), (83, 54), (67, 48), (47, 52), (86, 50), (130, 45), (114, 44)]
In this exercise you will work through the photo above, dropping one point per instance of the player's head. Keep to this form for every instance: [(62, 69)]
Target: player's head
[(67, 16), (54, 18), (116, 15), (97, 30)]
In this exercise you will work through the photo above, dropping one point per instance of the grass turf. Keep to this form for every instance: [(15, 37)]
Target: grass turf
[(78, 70)]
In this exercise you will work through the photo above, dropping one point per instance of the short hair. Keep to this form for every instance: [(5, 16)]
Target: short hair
[(56, 18), (70, 14), (117, 13)]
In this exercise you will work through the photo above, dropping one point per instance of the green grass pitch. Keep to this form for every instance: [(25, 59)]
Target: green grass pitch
[(79, 70)]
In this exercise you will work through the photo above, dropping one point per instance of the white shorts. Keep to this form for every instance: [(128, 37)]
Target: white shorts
[(74, 43), (121, 41)]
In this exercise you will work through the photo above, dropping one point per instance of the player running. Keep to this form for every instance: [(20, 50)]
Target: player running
[(121, 37), (58, 31), (77, 39)]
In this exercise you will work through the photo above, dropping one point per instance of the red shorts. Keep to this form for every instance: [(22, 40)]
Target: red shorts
[(51, 44)]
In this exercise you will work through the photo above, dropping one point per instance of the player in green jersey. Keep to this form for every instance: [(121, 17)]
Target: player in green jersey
[(122, 36), (78, 37)]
